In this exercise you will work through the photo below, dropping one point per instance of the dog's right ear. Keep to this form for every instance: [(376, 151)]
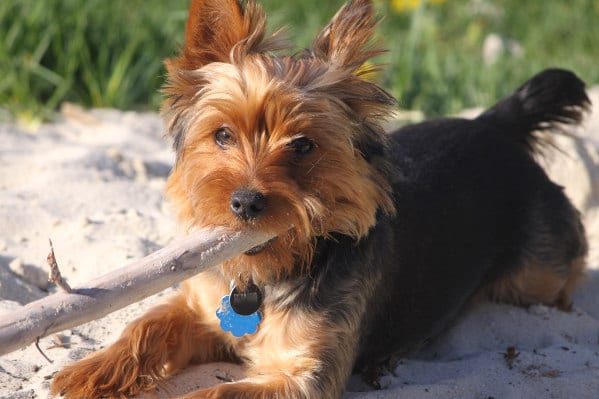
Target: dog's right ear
[(224, 31), (213, 28), (217, 31)]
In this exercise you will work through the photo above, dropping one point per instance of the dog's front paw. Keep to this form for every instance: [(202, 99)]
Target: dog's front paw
[(248, 390), (233, 390), (272, 387), (102, 374)]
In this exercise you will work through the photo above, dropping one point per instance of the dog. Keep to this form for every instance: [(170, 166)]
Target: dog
[(381, 238)]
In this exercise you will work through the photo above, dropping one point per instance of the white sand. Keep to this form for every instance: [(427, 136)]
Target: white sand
[(93, 183)]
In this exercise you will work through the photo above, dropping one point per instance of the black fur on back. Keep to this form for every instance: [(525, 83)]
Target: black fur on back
[(473, 206)]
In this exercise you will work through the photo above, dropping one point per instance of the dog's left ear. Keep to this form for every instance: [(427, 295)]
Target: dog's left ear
[(346, 44), (346, 40)]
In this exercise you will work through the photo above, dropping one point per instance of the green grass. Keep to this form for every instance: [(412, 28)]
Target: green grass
[(108, 53), (101, 53), (437, 65)]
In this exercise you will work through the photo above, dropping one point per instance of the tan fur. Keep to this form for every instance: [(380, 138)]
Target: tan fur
[(537, 284)]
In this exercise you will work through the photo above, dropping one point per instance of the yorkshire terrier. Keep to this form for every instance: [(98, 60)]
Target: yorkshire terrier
[(382, 238)]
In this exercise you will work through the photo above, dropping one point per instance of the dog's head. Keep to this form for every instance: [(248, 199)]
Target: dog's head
[(265, 141)]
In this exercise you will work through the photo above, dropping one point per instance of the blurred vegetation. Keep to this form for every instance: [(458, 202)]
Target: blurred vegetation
[(444, 55), (100, 53)]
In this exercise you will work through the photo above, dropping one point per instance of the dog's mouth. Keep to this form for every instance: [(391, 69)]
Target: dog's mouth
[(257, 249)]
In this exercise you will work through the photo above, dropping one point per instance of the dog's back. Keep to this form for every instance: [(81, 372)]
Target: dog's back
[(477, 214)]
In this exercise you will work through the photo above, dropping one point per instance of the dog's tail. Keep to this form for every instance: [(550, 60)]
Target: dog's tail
[(549, 101)]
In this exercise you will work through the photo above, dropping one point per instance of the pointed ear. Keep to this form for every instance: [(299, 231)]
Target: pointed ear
[(221, 31), (213, 28), (346, 40)]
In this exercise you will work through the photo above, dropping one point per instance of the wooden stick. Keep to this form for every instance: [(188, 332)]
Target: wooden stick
[(119, 288)]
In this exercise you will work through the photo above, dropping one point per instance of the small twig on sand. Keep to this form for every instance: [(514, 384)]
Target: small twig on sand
[(54, 276), (37, 345)]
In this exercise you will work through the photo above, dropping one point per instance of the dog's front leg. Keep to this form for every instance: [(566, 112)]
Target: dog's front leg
[(297, 353), (152, 347)]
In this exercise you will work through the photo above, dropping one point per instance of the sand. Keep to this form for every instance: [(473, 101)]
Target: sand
[(93, 180)]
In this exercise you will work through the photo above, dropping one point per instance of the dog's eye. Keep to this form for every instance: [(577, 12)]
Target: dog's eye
[(302, 145), (224, 138)]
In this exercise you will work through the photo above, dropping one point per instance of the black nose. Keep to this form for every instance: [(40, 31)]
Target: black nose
[(246, 204)]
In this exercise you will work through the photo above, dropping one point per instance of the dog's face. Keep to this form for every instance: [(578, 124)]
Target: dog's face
[(285, 144)]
